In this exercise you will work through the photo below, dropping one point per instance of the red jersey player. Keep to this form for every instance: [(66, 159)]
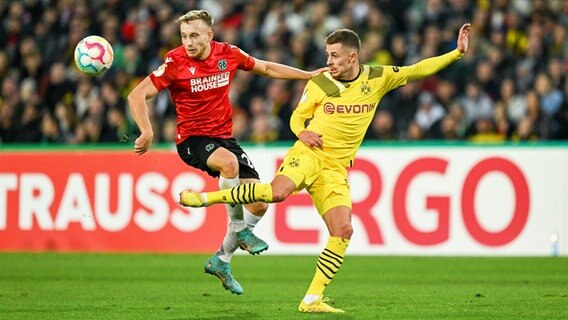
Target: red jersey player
[(198, 74)]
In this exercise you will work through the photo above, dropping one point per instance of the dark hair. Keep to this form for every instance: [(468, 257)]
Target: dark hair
[(345, 37), (202, 15)]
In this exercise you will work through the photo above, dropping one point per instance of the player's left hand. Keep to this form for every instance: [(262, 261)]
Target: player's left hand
[(143, 142), (463, 38), (311, 139)]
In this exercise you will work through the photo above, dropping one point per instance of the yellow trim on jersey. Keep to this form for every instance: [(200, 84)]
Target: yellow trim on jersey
[(342, 112)]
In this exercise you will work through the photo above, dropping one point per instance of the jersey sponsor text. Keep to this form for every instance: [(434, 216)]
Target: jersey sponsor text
[(210, 82), (330, 108)]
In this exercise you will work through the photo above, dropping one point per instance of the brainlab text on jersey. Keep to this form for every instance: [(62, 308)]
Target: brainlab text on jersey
[(210, 82)]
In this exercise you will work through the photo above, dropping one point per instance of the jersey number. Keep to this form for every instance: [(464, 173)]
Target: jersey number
[(249, 163)]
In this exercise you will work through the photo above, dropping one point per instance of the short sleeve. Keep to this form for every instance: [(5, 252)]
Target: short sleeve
[(244, 60), (165, 74)]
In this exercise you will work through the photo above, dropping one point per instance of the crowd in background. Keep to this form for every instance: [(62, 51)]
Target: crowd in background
[(511, 85)]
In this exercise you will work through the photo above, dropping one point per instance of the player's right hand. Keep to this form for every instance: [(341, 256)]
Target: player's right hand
[(143, 142), (311, 139), (318, 71)]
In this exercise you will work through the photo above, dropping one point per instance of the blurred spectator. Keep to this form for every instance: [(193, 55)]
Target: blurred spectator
[(85, 93), (240, 124), (382, 127), (550, 98), (66, 119), (535, 114), (445, 129), (476, 102), (414, 132), (402, 104), (457, 113), (445, 93), (50, 132), (57, 86), (485, 131), (503, 125), (261, 129), (487, 79), (169, 130), (115, 127), (525, 131), (429, 111), (29, 127), (515, 104)]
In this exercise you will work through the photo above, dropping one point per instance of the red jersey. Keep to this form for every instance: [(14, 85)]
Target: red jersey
[(200, 89)]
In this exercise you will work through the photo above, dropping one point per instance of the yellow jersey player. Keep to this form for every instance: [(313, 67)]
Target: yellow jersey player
[(330, 121)]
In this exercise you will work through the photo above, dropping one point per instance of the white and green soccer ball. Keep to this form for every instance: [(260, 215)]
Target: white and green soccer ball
[(93, 55)]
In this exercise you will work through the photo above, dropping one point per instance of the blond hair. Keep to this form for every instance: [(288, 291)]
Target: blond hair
[(202, 15)]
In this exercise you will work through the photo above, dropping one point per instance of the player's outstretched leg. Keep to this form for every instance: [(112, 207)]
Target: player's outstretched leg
[(222, 270), (241, 194)]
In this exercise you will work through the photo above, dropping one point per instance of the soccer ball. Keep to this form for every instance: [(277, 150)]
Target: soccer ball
[(93, 55)]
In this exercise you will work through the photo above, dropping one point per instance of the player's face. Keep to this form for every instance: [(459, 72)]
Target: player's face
[(342, 61), (196, 38)]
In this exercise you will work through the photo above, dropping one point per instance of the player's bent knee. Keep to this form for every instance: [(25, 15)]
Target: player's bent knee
[(344, 231), (257, 208), (229, 168), (225, 162)]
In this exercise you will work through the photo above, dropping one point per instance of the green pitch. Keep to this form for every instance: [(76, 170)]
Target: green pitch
[(116, 286)]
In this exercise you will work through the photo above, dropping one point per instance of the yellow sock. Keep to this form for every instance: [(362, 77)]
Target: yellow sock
[(242, 194), (329, 262)]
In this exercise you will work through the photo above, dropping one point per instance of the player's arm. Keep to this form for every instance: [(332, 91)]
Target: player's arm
[(271, 69), (303, 113), (139, 110), (281, 71), (430, 66)]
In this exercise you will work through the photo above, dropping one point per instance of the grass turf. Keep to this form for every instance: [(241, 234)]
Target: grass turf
[(152, 286)]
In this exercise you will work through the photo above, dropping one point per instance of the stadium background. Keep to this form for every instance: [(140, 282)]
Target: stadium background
[(468, 162), (511, 86)]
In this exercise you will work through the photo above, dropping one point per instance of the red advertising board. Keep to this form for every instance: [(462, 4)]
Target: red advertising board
[(104, 201)]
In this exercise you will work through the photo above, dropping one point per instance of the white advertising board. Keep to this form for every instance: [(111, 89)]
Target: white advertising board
[(503, 201)]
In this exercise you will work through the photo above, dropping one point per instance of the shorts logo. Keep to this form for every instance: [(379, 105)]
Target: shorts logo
[(365, 88), (395, 69), (222, 64), (294, 163), (209, 147)]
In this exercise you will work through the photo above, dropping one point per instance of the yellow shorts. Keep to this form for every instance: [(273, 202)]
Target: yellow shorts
[(325, 180)]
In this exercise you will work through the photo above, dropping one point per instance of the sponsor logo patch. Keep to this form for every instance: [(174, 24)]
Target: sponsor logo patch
[(210, 82), (222, 64), (330, 108), (294, 162), (365, 88)]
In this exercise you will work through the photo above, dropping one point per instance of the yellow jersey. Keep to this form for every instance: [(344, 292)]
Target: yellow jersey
[(342, 111)]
